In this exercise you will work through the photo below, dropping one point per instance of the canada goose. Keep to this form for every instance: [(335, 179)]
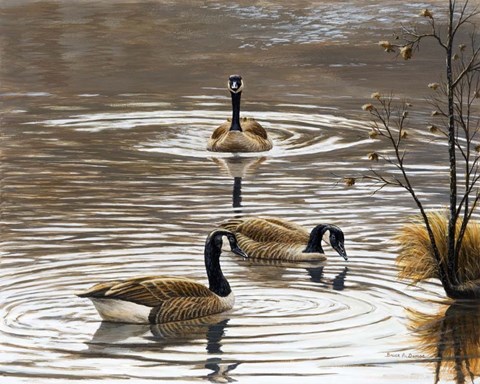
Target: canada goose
[(238, 135), (273, 238), (417, 262), (158, 299)]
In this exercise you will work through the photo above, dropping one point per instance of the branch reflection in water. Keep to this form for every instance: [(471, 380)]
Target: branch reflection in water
[(275, 271), (452, 339), (212, 328)]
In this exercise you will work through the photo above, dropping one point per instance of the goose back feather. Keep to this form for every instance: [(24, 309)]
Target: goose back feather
[(268, 229), (252, 138)]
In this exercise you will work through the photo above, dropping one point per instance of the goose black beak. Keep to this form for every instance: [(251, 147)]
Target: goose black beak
[(238, 251), (341, 250)]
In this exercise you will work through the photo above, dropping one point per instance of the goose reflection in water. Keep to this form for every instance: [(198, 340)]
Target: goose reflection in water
[(338, 282), (274, 273), (237, 168), (139, 337), (452, 339)]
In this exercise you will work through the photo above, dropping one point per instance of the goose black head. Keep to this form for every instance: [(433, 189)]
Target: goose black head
[(337, 240), (232, 239), (235, 84)]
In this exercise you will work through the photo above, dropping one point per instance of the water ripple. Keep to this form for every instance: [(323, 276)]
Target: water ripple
[(185, 133)]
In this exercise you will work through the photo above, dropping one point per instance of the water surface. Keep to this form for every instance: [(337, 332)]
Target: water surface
[(107, 107)]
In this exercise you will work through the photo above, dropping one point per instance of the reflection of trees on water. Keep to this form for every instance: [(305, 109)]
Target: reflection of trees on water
[(452, 339), (170, 334)]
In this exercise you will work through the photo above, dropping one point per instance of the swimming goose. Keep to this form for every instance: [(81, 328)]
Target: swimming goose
[(238, 135), (157, 299), (273, 238)]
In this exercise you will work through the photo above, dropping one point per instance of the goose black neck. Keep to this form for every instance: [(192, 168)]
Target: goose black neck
[(218, 284), (315, 241), (236, 112)]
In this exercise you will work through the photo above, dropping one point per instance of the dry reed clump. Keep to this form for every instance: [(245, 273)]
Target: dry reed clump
[(416, 260)]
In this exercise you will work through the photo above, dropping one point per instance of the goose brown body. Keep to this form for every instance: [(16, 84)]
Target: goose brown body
[(252, 138), (236, 134), (168, 299), (278, 239), (158, 299)]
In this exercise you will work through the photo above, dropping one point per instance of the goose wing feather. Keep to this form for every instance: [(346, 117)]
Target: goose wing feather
[(220, 131), (252, 127), (268, 229), (185, 308), (276, 250), (150, 291)]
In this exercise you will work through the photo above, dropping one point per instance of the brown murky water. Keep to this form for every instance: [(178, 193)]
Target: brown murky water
[(107, 107)]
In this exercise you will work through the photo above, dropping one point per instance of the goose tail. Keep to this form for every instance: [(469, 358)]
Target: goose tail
[(231, 224), (97, 291)]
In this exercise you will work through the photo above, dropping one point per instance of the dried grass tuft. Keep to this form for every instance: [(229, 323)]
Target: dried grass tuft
[(416, 261)]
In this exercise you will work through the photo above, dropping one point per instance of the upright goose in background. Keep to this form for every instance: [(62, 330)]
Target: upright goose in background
[(239, 135), (279, 239), (157, 299)]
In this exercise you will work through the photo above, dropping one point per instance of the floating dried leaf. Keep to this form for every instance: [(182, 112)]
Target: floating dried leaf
[(462, 47), (373, 134), (403, 134), (433, 128), (349, 181), (434, 86), (477, 148), (435, 113), (373, 156), (455, 57)]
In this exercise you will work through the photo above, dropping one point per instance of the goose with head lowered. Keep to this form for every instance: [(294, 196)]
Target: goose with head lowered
[(158, 299), (272, 238), (239, 134)]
